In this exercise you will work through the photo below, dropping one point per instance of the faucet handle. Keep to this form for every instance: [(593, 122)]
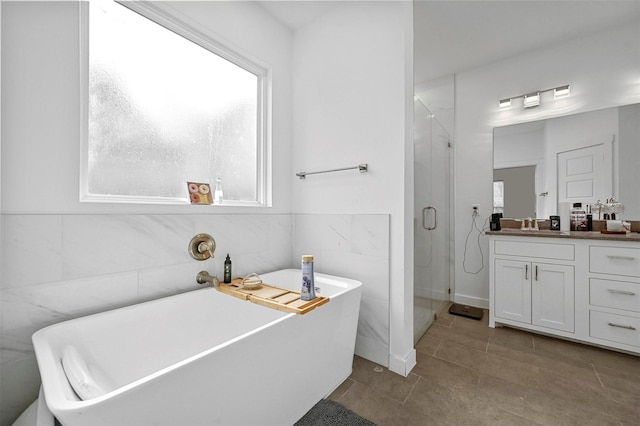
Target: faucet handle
[(202, 247)]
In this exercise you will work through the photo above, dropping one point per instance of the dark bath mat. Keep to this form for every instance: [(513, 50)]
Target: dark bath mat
[(466, 311), (330, 413)]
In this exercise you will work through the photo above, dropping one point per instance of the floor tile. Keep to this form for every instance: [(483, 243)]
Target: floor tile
[(470, 374), (444, 319), (460, 336), (342, 389), (512, 338), (511, 370), (435, 370), (440, 402), (615, 378), (588, 353), (549, 361), (428, 344), (384, 411), (538, 405), (383, 381), (460, 354)]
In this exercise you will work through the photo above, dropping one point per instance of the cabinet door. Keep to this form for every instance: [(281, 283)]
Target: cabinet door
[(512, 290), (552, 292)]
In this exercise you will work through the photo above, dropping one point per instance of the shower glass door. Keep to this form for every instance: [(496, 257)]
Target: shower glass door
[(432, 239)]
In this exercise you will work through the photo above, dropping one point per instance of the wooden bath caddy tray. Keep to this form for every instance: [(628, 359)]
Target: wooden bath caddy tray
[(272, 296)]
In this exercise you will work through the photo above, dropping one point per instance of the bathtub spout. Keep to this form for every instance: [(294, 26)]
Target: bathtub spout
[(204, 277)]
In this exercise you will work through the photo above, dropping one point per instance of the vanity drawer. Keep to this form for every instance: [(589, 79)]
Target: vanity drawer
[(532, 249), (615, 260), (614, 328), (614, 294)]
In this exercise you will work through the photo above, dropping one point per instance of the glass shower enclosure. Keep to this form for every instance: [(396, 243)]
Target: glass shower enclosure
[(432, 217)]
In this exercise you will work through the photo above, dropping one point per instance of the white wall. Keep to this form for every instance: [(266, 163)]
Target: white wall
[(353, 104), (42, 86), (354, 246), (62, 259), (93, 257), (603, 71)]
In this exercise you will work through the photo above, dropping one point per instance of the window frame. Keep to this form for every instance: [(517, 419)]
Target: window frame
[(190, 31)]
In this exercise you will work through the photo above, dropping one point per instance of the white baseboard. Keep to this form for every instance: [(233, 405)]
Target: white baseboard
[(403, 366), (471, 301)]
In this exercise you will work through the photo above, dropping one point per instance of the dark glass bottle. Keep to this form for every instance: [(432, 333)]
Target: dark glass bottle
[(227, 269)]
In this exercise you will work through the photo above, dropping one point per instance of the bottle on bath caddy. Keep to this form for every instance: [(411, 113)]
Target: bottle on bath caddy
[(308, 291), (227, 269)]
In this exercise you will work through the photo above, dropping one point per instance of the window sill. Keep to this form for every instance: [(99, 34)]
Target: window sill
[(163, 201)]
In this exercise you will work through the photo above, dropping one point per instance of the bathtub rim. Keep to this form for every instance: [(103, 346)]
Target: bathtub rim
[(58, 399), (62, 403)]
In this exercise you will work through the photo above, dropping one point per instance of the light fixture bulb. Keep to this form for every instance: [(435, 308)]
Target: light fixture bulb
[(504, 104), (532, 100), (561, 92)]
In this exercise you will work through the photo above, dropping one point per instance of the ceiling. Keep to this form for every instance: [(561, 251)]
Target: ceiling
[(453, 36), (295, 14)]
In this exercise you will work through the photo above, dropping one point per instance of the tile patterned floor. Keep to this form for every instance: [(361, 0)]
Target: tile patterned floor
[(470, 374)]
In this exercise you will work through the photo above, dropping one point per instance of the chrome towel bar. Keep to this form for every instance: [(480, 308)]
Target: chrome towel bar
[(362, 168)]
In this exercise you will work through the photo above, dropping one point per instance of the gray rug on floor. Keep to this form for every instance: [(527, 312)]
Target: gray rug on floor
[(330, 413)]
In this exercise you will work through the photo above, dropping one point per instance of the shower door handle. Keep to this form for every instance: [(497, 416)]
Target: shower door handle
[(424, 218)]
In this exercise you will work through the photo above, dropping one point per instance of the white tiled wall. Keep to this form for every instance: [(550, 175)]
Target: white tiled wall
[(58, 267), (354, 246)]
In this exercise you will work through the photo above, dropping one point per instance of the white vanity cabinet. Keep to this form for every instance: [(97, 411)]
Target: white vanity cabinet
[(533, 284), (577, 288), (614, 295)]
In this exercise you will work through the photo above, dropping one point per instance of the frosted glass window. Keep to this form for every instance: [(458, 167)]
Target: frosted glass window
[(164, 110)]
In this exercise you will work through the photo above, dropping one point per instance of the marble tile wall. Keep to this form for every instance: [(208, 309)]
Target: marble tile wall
[(59, 267), (357, 247)]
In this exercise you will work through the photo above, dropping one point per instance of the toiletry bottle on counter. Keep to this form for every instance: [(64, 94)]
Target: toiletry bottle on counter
[(227, 269), (578, 218), (217, 194), (308, 291)]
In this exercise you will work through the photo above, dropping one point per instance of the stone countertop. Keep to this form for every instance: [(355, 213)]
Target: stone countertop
[(583, 235)]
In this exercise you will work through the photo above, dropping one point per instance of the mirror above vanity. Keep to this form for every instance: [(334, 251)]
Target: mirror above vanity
[(583, 158)]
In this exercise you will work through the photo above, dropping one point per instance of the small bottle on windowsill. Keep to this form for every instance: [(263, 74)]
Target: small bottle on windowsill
[(217, 194)]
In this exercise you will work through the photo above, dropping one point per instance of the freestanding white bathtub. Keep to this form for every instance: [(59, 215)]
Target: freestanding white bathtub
[(203, 358)]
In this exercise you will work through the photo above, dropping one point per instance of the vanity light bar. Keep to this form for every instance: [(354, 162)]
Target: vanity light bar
[(504, 104), (533, 99), (561, 92)]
